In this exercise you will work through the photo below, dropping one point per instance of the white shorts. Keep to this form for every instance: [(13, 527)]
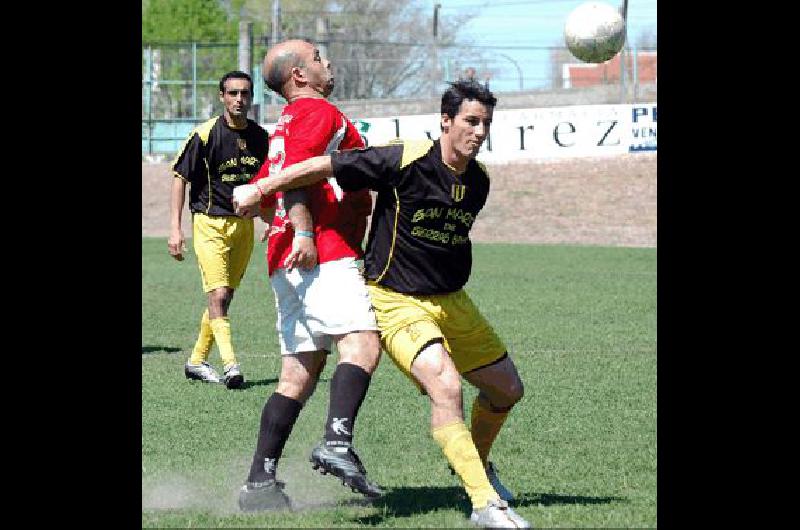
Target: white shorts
[(315, 305)]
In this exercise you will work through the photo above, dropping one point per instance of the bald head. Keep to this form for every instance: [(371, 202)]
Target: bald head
[(280, 60)]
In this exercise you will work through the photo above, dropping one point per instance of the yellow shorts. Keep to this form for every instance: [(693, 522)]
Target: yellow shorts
[(223, 246), (408, 323)]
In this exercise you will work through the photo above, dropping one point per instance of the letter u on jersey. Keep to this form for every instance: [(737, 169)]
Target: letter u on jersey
[(458, 191)]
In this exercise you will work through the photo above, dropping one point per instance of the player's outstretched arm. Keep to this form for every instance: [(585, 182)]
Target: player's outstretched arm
[(296, 176)]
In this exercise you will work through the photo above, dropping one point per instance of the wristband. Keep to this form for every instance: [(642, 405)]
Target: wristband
[(260, 193), (303, 233)]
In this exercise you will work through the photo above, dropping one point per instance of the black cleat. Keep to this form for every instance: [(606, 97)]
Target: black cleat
[(233, 377), (343, 462), (262, 496)]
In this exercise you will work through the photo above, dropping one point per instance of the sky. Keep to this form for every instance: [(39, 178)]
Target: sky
[(518, 24)]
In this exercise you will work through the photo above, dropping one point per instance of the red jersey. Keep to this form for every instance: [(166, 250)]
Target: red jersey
[(311, 127)]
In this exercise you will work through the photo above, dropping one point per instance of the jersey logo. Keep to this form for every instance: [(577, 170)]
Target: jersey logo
[(337, 426), (242, 143), (412, 331), (458, 191)]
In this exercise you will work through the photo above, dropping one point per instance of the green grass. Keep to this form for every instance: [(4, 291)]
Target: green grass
[(579, 450)]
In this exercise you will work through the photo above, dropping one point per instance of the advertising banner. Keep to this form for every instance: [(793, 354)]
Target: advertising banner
[(555, 132)]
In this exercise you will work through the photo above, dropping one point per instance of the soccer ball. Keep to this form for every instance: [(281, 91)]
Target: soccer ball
[(594, 32)]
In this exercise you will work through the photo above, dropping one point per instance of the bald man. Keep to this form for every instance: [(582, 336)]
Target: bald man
[(321, 305)]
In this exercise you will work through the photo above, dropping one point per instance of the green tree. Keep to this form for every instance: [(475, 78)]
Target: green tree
[(187, 21), (378, 49), (168, 29)]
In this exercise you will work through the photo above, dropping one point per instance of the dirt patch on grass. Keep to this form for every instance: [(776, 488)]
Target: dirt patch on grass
[(589, 201)]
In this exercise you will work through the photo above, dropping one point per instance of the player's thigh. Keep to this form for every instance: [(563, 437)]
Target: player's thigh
[(407, 325), (212, 247), (472, 341), (337, 301), (241, 242), (436, 374), (297, 332)]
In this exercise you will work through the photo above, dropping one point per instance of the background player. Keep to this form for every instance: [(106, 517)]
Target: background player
[(220, 154)]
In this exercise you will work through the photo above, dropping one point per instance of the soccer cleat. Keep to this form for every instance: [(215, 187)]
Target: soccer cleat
[(343, 462), (233, 377), (497, 514), (202, 372), (491, 474), (263, 496)]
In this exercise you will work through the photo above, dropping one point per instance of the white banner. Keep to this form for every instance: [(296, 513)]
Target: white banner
[(523, 134), (574, 131)]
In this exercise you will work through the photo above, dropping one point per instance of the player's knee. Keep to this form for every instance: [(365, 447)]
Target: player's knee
[(362, 349), (510, 395), (448, 385), (220, 300), (320, 366), (298, 389)]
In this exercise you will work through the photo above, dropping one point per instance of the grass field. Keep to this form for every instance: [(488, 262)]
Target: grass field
[(579, 450)]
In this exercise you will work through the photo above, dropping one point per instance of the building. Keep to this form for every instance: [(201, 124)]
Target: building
[(641, 68)]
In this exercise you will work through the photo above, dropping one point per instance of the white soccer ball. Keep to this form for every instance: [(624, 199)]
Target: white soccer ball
[(594, 32)]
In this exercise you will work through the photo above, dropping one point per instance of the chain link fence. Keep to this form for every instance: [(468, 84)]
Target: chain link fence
[(180, 86)]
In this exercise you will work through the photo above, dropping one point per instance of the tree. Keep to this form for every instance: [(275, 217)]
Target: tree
[(187, 21), (378, 48), (382, 49), (168, 29)]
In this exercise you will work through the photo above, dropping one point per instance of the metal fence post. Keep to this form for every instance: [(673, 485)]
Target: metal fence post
[(194, 81), (635, 74), (622, 75), (148, 97), (245, 45), (258, 93)]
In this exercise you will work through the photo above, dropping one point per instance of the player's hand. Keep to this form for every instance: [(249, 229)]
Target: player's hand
[(267, 215), (245, 197), (303, 254), (176, 245), (248, 212)]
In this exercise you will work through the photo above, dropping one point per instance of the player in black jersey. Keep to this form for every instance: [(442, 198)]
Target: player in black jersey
[(220, 154), (418, 259)]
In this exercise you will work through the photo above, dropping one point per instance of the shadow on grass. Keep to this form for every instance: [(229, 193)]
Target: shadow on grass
[(156, 349), (263, 382), (552, 499), (409, 501), (258, 382)]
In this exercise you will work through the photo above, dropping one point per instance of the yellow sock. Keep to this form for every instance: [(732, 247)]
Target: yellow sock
[(486, 424), (204, 341), (222, 335), (456, 443)]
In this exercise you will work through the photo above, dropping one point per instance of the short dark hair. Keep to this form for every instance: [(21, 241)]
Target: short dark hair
[(235, 74), (465, 90)]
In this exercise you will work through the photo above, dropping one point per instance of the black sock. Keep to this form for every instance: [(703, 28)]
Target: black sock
[(348, 387), (277, 420)]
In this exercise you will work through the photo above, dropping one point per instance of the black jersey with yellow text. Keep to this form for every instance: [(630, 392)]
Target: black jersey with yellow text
[(215, 159), (419, 235)]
